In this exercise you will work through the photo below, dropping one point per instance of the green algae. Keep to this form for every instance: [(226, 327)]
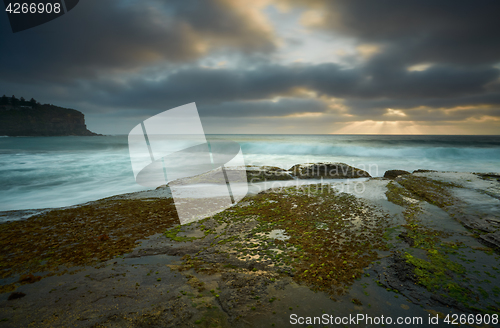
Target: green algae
[(423, 237), (435, 271), (397, 194), (408, 187), (213, 317), (438, 272), (329, 258), (432, 191), (228, 240), (439, 275), (173, 235), (389, 232)]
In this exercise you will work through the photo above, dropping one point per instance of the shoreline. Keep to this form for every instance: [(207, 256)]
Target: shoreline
[(20, 214), (429, 233), (57, 173)]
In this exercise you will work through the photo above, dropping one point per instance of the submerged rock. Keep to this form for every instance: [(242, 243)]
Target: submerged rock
[(327, 170), (393, 174)]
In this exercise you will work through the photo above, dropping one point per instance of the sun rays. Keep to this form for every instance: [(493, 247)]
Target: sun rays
[(380, 127)]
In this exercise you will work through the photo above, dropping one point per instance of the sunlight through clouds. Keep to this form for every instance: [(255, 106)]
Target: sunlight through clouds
[(380, 127), (394, 112), (419, 67)]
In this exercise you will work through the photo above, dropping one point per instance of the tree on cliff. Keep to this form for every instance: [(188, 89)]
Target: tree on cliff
[(33, 102), (4, 100), (14, 101)]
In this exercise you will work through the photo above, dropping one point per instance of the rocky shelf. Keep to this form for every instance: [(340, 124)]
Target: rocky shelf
[(403, 246)]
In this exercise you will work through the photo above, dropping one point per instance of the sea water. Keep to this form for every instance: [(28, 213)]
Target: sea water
[(42, 172)]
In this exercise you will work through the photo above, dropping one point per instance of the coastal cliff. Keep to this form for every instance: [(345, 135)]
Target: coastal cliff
[(29, 118)]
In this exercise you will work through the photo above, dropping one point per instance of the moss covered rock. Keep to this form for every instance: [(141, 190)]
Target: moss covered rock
[(393, 174), (327, 170)]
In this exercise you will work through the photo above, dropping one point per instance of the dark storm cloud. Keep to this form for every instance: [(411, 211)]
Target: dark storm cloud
[(103, 37), (215, 86), (450, 115), (438, 81), (227, 92), (360, 106), (280, 107), (449, 31)]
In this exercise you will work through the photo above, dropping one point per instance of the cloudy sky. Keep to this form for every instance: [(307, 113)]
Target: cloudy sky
[(267, 66)]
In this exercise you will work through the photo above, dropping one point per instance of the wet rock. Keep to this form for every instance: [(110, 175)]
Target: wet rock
[(267, 173), (397, 274), (450, 302), (356, 302), (15, 296), (404, 236), (393, 174), (238, 291), (432, 191), (327, 170), (473, 221), (402, 269), (29, 279), (492, 239), (181, 251), (423, 171), (489, 176)]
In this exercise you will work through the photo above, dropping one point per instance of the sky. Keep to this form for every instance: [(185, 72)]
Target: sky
[(267, 66)]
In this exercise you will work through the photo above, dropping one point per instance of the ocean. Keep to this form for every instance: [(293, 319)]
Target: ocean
[(43, 172)]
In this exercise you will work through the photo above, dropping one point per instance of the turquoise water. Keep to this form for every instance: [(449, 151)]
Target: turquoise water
[(46, 172)]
